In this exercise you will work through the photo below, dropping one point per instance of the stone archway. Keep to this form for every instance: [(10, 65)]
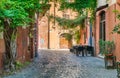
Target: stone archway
[(64, 42)]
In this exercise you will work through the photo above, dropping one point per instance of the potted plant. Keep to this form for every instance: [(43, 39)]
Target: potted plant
[(106, 49)]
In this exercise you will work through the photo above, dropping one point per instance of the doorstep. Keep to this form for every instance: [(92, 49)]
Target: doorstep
[(100, 56)]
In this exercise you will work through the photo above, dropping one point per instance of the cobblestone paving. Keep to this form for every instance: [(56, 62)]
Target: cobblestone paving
[(63, 64)]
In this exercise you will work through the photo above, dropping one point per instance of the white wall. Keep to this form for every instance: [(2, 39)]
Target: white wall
[(104, 2), (101, 3), (110, 2)]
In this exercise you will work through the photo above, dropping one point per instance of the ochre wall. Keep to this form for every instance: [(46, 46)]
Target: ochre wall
[(43, 33), (64, 44), (54, 29)]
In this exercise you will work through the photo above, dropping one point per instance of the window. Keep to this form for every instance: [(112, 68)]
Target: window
[(66, 16), (102, 28)]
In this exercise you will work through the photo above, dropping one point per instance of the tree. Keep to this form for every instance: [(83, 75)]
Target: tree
[(14, 14)]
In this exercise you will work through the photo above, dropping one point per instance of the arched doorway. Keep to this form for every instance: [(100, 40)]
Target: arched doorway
[(65, 41)]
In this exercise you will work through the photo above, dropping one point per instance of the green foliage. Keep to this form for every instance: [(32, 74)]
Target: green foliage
[(77, 36), (67, 36), (13, 13), (26, 63), (68, 23), (18, 65), (117, 27), (20, 12), (106, 47), (1, 29), (80, 5)]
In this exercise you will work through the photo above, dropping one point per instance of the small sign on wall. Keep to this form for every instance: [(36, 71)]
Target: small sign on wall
[(41, 41)]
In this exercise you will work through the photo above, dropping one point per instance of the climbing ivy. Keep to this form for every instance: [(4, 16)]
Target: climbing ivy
[(117, 27), (70, 23), (77, 36), (67, 36), (81, 6)]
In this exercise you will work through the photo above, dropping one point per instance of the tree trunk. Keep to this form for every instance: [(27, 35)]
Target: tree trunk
[(8, 32)]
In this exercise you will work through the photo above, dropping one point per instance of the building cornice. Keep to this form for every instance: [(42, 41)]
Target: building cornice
[(101, 7)]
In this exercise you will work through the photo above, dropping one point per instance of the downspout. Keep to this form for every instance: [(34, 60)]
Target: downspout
[(36, 35), (48, 30), (90, 39)]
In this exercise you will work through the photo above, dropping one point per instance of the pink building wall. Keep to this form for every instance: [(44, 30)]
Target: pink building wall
[(111, 21)]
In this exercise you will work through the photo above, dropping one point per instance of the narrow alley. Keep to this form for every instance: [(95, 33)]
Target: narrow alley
[(64, 64)]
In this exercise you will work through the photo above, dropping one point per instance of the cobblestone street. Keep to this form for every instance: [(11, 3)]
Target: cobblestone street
[(64, 64)]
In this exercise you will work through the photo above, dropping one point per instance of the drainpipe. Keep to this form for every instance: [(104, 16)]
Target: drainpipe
[(90, 41), (48, 31), (36, 35), (54, 11)]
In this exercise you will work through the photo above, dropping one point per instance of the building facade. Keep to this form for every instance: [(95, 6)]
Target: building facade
[(50, 34), (105, 22)]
